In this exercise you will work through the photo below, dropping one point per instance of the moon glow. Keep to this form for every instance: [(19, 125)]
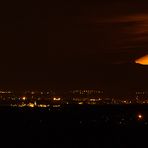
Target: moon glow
[(143, 60)]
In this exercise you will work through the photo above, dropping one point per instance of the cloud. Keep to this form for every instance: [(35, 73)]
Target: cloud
[(126, 31)]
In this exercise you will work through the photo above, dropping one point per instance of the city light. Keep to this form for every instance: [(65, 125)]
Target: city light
[(38, 100), (80, 103), (56, 99), (30, 105), (32, 92), (24, 98), (56, 106), (92, 99), (42, 105), (140, 116)]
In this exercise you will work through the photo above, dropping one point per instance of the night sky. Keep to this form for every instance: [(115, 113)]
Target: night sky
[(67, 44)]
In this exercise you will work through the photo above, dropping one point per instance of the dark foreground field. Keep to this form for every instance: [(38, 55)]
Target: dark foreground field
[(75, 126)]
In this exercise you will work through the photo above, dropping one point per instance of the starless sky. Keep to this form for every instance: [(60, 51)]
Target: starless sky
[(66, 43)]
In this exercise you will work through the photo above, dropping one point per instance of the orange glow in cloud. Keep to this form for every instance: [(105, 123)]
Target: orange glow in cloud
[(142, 60)]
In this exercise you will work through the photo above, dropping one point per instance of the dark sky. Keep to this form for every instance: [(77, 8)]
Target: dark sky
[(73, 43)]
